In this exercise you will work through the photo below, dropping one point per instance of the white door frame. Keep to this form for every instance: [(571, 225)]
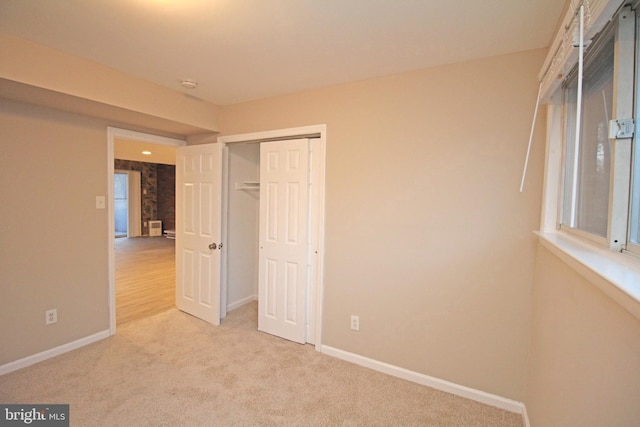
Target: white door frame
[(316, 294), (112, 134)]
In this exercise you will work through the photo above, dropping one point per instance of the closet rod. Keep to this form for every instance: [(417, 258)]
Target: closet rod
[(248, 185)]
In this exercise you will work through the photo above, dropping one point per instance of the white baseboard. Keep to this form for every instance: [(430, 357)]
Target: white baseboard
[(53, 352), (244, 301), (525, 416), (438, 384)]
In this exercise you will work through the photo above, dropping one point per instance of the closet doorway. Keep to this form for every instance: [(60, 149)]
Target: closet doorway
[(250, 212)]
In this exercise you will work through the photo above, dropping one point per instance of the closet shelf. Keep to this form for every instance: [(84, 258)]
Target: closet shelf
[(248, 185)]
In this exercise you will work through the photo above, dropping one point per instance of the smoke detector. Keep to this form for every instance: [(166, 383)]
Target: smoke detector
[(188, 83)]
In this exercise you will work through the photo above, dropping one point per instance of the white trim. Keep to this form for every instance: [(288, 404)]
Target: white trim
[(112, 134), (53, 352), (316, 203), (320, 218), (299, 132), (621, 152), (242, 302), (615, 274), (426, 380), (319, 131), (111, 244), (525, 416), (224, 218), (553, 177)]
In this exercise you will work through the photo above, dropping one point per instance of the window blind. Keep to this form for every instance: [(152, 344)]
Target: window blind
[(582, 22), (563, 53)]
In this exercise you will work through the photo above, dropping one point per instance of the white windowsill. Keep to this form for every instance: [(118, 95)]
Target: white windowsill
[(617, 275)]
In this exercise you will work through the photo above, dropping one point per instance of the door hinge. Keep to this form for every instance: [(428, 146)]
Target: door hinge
[(621, 128)]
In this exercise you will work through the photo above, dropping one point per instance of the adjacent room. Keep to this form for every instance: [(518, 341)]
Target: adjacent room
[(375, 212), (144, 228)]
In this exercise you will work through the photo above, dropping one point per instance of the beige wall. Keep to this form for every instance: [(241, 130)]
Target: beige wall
[(584, 367), (54, 241), (427, 238)]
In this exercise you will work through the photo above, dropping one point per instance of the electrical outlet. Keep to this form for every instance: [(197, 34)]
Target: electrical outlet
[(355, 323), (50, 316)]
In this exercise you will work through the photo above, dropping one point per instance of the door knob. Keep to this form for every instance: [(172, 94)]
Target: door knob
[(213, 246)]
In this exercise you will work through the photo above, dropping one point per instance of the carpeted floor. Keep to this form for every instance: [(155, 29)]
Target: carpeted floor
[(175, 370)]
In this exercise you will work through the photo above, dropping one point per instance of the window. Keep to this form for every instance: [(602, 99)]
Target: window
[(601, 175), (634, 223), (592, 182), (588, 158)]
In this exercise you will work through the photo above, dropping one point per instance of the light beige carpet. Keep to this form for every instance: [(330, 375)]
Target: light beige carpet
[(174, 370)]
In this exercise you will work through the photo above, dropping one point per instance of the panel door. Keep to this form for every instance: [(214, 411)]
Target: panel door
[(198, 230), (284, 238)]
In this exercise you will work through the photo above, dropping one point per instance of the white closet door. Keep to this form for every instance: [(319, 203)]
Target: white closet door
[(284, 238)]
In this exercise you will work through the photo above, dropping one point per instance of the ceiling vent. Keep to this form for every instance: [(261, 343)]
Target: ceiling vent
[(189, 84)]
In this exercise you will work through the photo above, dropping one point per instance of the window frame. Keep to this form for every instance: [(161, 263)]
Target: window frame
[(615, 274), (624, 80), (634, 248)]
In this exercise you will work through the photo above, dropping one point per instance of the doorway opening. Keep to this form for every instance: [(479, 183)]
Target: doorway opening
[(141, 268)]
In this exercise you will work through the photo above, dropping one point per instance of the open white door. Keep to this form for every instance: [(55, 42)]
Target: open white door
[(198, 230), (284, 238)]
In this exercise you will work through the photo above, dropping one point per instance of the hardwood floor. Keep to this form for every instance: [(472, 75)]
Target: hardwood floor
[(145, 277)]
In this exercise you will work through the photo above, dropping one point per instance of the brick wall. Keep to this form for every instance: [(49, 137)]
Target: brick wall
[(166, 175)]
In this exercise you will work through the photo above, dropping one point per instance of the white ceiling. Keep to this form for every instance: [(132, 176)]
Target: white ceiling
[(241, 50)]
